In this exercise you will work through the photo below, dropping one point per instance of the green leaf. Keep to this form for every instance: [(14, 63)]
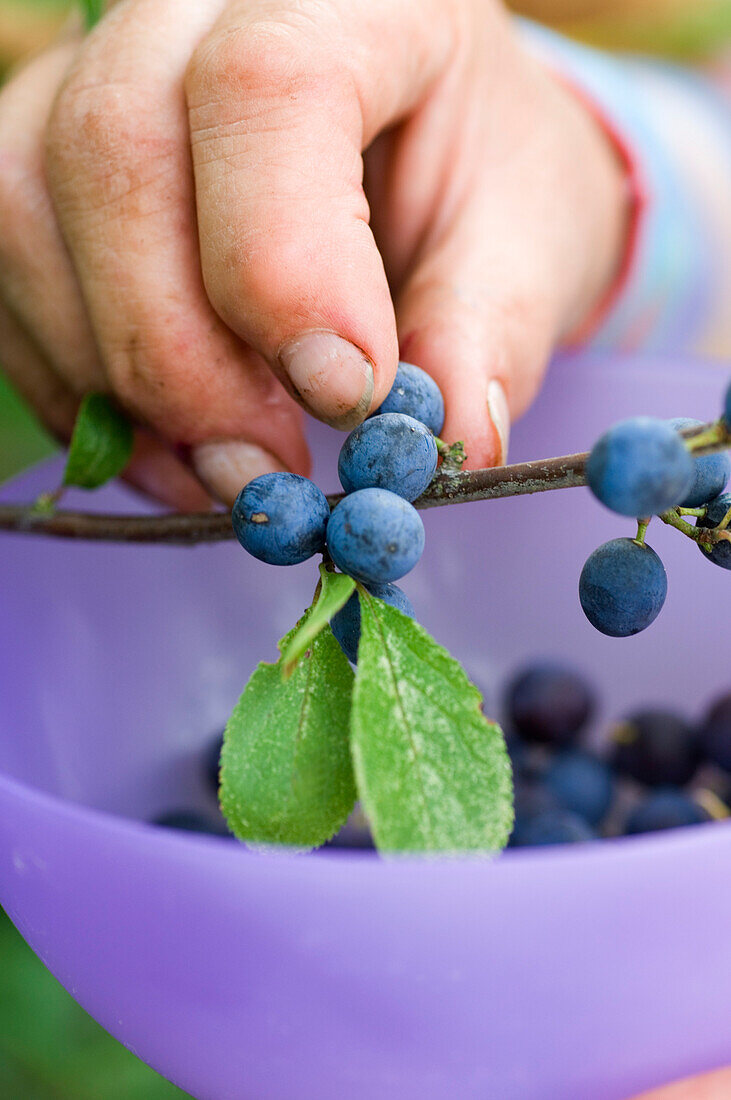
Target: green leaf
[(93, 11), (334, 591), (286, 774), (433, 774), (101, 445)]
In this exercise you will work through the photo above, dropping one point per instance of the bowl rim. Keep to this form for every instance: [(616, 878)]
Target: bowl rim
[(95, 819)]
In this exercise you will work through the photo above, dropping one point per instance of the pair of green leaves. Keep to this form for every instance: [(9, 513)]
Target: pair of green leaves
[(406, 735)]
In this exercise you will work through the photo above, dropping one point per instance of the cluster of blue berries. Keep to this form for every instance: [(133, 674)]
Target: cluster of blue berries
[(656, 770), (374, 534), (642, 468)]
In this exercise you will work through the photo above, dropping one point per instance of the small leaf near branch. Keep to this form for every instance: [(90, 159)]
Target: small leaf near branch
[(334, 591), (286, 771), (432, 772), (101, 445), (453, 456), (93, 11)]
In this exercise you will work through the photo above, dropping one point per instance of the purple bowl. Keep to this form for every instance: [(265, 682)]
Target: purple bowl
[(549, 975)]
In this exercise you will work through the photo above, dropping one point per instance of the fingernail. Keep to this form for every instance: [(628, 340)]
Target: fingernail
[(225, 466), (332, 378), (497, 405)]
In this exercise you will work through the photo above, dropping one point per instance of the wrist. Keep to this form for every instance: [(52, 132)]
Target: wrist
[(606, 193)]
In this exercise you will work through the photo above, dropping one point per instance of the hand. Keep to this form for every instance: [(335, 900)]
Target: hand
[(183, 221), (711, 1086)]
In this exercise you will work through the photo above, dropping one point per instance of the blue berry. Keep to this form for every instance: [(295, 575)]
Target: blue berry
[(393, 452), (656, 747), (551, 827), (550, 704), (715, 734), (346, 624), (720, 552), (520, 755), (531, 798), (355, 833), (664, 809), (189, 821), (281, 518), (711, 471), (582, 784), (375, 536), (727, 408), (212, 763), (352, 839), (640, 467), (622, 588), (415, 393)]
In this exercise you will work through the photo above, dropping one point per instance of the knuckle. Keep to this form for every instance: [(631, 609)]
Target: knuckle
[(257, 278), (154, 370), (103, 132), (265, 59), (83, 117), (134, 371)]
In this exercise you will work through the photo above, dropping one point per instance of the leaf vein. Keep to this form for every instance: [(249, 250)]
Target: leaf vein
[(405, 717)]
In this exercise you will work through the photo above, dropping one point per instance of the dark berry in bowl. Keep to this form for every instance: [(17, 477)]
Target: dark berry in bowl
[(665, 809), (656, 747), (549, 704)]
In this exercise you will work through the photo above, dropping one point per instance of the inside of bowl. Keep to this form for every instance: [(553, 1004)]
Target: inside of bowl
[(120, 663)]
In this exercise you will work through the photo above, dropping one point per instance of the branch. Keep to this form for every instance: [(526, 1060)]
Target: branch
[(193, 528), (190, 529), (181, 529)]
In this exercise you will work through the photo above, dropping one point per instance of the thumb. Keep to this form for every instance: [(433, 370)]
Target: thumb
[(283, 97), (519, 261), (486, 346)]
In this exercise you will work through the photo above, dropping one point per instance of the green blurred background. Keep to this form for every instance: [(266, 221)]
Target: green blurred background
[(50, 1049)]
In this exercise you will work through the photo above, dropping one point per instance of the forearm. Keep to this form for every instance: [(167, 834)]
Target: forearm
[(672, 129)]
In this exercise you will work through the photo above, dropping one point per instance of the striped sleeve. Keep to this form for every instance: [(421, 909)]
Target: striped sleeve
[(672, 130)]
